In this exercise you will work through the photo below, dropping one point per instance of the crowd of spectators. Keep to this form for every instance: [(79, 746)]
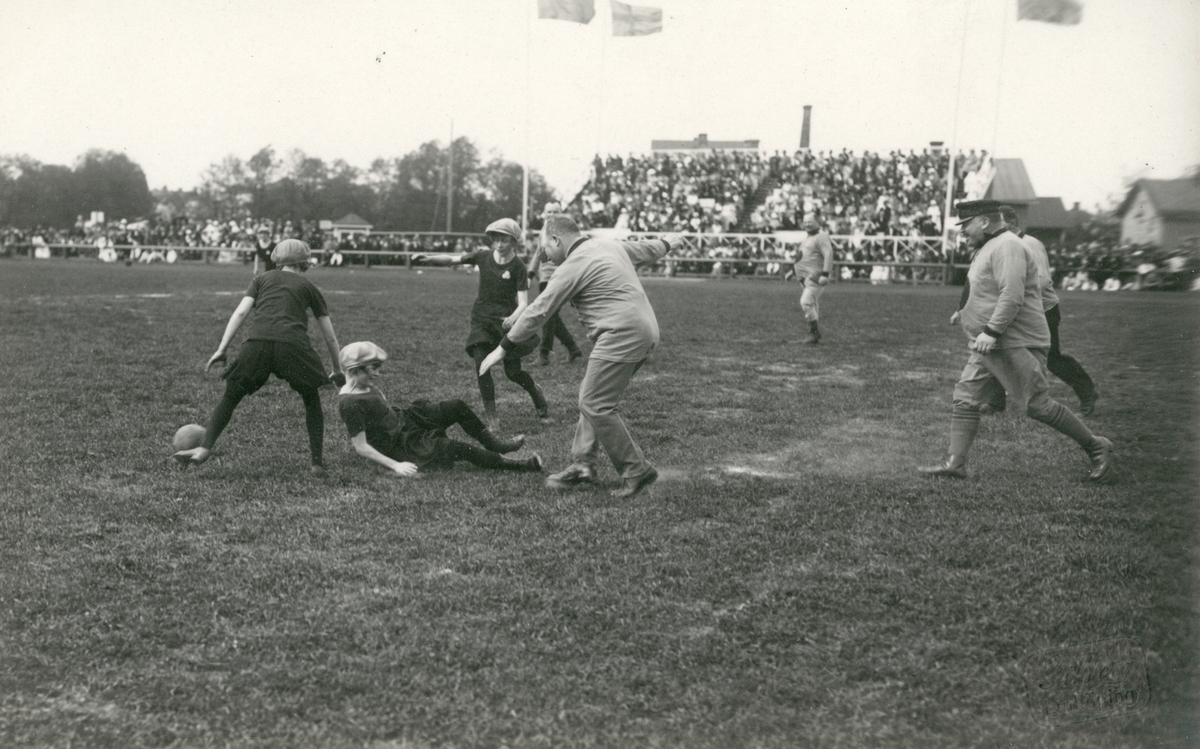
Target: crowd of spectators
[(157, 239), (668, 191), (898, 194), (885, 212)]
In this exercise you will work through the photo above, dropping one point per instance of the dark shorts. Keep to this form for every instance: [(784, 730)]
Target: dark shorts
[(298, 366), (487, 334)]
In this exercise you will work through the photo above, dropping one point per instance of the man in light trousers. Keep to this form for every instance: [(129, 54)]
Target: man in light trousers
[(599, 278)]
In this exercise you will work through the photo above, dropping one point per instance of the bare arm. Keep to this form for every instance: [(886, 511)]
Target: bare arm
[(235, 321), (363, 448), (441, 259), (331, 343)]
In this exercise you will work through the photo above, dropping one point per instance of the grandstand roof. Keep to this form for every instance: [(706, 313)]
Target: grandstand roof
[(1172, 198), (701, 141), (1011, 183)]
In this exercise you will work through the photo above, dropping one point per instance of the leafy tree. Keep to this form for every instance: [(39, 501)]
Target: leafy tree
[(225, 187), (108, 181)]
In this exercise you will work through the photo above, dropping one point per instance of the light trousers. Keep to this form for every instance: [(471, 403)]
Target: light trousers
[(600, 424), (810, 299)]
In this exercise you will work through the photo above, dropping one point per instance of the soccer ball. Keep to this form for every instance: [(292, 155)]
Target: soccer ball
[(187, 437)]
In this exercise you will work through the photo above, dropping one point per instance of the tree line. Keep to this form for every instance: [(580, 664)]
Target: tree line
[(407, 193)]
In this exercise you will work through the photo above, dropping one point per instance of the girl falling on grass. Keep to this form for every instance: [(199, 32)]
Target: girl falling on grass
[(406, 439)]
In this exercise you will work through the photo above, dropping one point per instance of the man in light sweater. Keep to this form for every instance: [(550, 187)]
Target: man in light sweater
[(599, 278), (1009, 338), (1063, 366)]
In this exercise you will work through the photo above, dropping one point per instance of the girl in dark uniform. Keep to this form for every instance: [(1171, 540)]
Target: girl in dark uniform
[(277, 344), (503, 295), (405, 439)]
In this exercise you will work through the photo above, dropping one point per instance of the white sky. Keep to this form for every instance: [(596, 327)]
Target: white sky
[(179, 85)]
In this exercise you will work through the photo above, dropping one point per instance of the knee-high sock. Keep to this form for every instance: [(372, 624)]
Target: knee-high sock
[(487, 387), (314, 420), (1060, 418), (964, 423), (512, 369), (475, 455), (221, 415), (460, 413)]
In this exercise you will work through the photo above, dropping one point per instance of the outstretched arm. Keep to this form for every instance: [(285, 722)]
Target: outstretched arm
[(650, 251), (363, 448), (235, 321)]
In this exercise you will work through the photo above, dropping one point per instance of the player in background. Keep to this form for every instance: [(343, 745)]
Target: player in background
[(403, 439), (277, 344), (542, 268), (1008, 338), (812, 270), (503, 296), (263, 247)]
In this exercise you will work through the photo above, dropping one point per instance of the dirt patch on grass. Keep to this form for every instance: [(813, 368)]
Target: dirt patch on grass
[(858, 447), (915, 375)]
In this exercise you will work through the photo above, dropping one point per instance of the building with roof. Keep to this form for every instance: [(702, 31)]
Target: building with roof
[(1161, 212), (351, 223), (1044, 218), (702, 143)]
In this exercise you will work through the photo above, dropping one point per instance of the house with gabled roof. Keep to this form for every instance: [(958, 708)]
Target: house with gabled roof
[(1161, 212), (351, 223)]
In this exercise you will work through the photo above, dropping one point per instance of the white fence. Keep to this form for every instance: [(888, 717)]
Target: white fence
[(909, 259)]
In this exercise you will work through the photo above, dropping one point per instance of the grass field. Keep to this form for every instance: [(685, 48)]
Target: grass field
[(790, 581)]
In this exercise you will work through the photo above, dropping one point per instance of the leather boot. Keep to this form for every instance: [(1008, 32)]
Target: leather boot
[(491, 442), (532, 464), (1101, 457), (814, 333), (954, 467)]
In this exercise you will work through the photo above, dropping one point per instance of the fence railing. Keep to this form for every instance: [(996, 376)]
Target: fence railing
[(718, 255)]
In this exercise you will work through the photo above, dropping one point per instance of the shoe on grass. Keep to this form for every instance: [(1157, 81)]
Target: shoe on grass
[(633, 485), (193, 457), (573, 475), (1101, 456), (952, 468)]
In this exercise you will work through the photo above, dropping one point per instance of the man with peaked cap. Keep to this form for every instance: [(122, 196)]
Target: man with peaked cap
[(1009, 339), (1063, 366)]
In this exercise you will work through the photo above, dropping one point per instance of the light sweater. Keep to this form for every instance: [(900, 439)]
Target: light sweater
[(1006, 294), (599, 278)]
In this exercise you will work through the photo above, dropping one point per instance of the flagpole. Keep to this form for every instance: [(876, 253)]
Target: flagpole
[(450, 181), (1000, 78), (949, 207), (525, 165), (600, 99)]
